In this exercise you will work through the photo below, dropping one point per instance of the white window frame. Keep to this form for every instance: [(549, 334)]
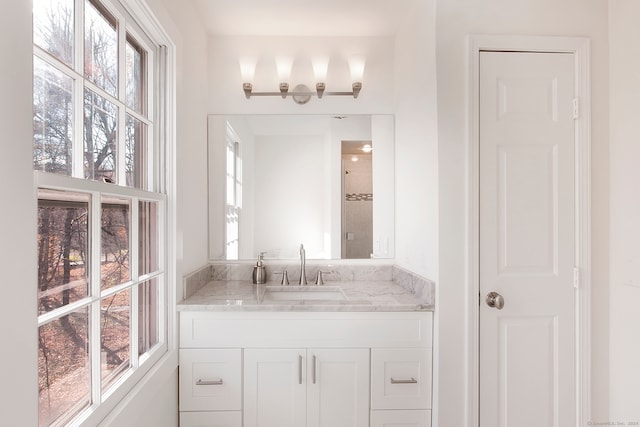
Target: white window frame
[(161, 173)]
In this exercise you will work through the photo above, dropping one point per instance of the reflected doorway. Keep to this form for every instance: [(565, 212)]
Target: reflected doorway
[(357, 199)]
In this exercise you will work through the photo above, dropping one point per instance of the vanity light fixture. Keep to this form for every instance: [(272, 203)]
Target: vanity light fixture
[(301, 94), (367, 148)]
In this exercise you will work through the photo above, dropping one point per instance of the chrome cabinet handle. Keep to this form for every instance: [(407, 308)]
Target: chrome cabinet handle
[(212, 382), (299, 369), (411, 381), (495, 300), (315, 367)]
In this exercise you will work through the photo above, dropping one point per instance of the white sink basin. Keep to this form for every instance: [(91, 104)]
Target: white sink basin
[(303, 293)]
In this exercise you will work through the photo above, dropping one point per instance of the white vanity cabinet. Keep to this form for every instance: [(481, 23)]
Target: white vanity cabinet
[(305, 369), (306, 387)]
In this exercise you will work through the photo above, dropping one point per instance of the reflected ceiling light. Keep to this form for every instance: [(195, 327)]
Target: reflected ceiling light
[(354, 158), (367, 148), (301, 94)]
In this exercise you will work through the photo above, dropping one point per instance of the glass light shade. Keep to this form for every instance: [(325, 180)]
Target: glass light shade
[(284, 65), (356, 67), (247, 69), (320, 67)]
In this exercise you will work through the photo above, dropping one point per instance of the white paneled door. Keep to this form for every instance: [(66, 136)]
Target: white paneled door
[(527, 240)]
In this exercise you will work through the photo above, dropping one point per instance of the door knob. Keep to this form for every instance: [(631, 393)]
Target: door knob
[(495, 300)]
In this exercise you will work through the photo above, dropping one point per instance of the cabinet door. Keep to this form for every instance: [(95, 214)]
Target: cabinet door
[(210, 379), (401, 378), (211, 419), (338, 387), (402, 418), (274, 388)]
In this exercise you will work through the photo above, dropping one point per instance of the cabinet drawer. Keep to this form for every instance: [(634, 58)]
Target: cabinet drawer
[(210, 379), (405, 418), (401, 378), (211, 419)]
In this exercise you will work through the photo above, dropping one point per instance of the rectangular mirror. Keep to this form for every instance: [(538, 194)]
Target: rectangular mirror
[(276, 181)]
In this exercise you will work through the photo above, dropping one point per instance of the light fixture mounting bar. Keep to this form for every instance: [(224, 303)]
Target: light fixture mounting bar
[(285, 92)]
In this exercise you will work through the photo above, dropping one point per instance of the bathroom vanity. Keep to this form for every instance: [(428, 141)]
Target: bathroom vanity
[(352, 353)]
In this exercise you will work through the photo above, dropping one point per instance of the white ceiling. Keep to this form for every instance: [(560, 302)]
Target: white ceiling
[(303, 17)]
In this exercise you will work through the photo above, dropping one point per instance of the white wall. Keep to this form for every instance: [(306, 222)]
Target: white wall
[(624, 344), (18, 327), (456, 20), (417, 141), (182, 23)]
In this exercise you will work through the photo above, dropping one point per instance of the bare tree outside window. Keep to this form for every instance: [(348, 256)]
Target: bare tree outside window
[(115, 329), (100, 137), (53, 28), (62, 250), (101, 48), (52, 119), (134, 152), (85, 127), (63, 367), (64, 381), (135, 70)]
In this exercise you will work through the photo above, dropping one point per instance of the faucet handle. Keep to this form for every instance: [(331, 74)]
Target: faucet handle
[(285, 277), (319, 279)]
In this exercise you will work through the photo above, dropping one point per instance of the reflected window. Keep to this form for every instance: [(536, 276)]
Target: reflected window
[(234, 194)]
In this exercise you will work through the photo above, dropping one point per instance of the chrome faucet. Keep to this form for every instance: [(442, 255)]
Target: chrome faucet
[(303, 275)]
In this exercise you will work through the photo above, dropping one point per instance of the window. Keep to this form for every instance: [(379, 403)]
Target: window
[(101, 207)]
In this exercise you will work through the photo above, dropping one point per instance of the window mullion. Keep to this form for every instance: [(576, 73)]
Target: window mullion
[(135, 239), (78, 129), (122, 97), (121, 150), (133, 343), (135, 272), (79, 37), (162, 288), (78, 94), (95, 227), (157, 172), (141, 117), (149, 85)]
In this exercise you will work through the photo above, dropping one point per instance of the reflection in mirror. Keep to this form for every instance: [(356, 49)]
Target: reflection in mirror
[(278, 181), (357, 199)]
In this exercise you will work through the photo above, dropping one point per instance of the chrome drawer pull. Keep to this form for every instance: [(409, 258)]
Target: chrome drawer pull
[(213, 382), (299, 369), (411, 381), (315, 368)]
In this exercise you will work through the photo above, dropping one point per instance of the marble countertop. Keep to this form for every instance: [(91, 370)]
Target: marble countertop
[(238, 295)]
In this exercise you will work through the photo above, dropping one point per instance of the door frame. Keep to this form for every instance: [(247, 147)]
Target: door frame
[(580, 48)]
